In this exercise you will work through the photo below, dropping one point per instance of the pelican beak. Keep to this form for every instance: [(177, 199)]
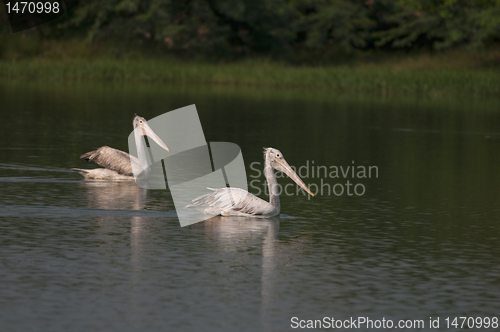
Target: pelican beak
[(146, 130), (282, 166)]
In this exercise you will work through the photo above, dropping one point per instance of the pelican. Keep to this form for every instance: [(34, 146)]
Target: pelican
[(239, 202), (118, 164)]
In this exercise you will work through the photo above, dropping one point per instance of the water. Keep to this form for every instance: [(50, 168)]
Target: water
[(98, 256)]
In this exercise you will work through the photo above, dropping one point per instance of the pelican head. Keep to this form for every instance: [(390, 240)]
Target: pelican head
[(140, 122), (278, 162)]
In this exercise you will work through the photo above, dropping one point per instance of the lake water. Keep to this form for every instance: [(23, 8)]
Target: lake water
[(422, 241)]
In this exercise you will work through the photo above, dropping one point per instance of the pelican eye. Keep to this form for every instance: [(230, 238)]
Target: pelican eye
[(140, 121), (278, 155)]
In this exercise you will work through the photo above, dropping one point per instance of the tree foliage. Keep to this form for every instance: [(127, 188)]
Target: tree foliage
[(442, 23), (284, 26)]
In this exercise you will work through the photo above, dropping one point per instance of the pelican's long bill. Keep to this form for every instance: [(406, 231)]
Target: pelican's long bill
[(282, 166), (146, 130)]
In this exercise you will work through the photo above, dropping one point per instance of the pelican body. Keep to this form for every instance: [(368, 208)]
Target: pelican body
[(118, 164), (239, 202)]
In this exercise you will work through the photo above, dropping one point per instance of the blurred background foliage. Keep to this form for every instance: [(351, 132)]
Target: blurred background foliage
[(283, 29)]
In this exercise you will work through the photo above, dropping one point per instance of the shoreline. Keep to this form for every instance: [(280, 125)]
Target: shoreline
[(380, 79)]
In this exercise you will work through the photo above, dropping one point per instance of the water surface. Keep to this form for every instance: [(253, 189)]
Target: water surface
[(108, 256)]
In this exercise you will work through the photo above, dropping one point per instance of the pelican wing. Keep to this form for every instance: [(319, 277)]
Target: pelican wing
[(234, 201), (112, 159)]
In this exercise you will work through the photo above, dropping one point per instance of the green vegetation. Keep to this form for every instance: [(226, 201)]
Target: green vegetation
[(296, 30), (224, 27), (429, 47), (395, 77)]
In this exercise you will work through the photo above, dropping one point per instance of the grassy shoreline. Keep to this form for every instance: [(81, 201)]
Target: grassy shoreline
[(423, 76)]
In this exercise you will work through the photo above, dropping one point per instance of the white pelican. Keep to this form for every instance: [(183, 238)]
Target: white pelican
[(118, 164), (239, 202)]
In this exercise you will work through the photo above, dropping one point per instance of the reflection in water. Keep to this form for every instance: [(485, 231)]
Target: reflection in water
[(234, 233), (115, 195), (269, 276), (138, 237), (231, 230)]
